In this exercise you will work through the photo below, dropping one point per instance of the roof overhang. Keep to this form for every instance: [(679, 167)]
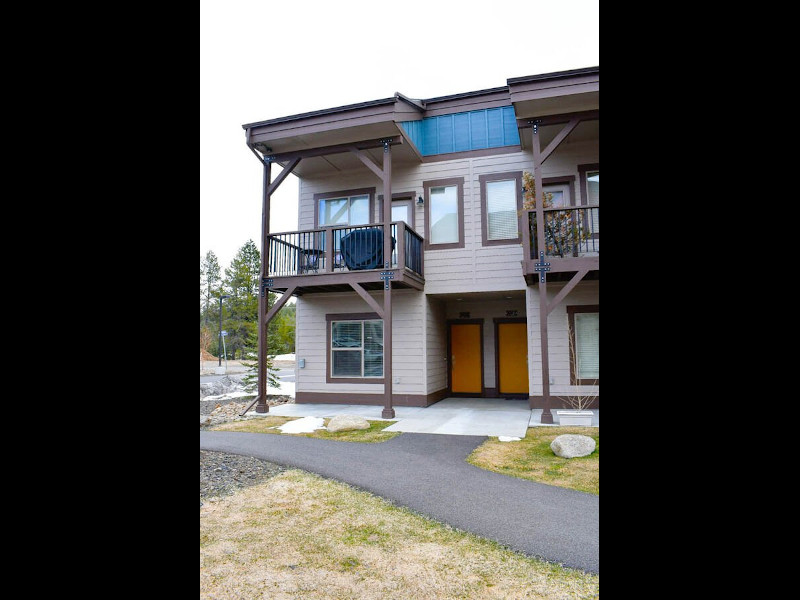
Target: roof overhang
[(555, 93), (336, 127)]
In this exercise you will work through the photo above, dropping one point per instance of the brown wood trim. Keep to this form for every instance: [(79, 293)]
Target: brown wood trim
[(564, 265), (472, 153), (484, 179), (497, 322), (342, 193), (427, 185), (585, 115), (419, 400), (571, 310), (408, 198), (538, 402), (329, 318), (448, 324)]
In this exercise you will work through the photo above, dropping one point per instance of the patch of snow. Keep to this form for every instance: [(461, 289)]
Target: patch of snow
[(285, 357), (506, 438), (286, 389), (229, 396), (304, 425)]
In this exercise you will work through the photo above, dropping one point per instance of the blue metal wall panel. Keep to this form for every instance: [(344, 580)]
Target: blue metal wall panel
[(510, 131), (459, 132), (494, 126), (430, 138), (445, 132), (477, 123)]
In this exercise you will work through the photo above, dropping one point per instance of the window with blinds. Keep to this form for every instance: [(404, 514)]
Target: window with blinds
[(501, 209), (587, 345), (357, 349)]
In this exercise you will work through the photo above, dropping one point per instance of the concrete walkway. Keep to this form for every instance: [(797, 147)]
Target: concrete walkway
[(428, 474), (451, 416)]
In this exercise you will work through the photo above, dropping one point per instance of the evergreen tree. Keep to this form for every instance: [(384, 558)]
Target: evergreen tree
[(210, 284)]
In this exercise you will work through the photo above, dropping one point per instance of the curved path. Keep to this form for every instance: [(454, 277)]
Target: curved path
[(428, 474)]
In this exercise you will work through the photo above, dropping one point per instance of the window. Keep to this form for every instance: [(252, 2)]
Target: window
[(444, 213), (402, 207), (501, 202), (356, 349), (561, 196), (348, 207), (584, 344), (352, 210)]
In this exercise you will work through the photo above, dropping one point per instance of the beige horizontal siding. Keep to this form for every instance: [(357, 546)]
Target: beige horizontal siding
[(436, 346), (407, 343), (586, 292)]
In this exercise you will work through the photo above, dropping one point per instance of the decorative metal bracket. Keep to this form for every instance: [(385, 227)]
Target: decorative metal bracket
[(535, 124), (265, 283), (541, 267), (386, 276), (385, 142)]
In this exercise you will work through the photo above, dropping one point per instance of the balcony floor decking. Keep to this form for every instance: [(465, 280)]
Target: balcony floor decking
[(339, 281)]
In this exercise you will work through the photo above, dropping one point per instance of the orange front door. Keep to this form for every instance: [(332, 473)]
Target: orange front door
[(512, 351), (466, 372)]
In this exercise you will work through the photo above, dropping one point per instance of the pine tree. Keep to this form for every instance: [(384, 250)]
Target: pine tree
[(210, 283)]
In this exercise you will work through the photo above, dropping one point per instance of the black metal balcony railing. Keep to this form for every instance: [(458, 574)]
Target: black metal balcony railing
[(341, 249), (568, 231)]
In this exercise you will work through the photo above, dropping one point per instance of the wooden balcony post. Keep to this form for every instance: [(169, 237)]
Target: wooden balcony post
[(388, 410), (547, 416), (401, 245), (329, 250), (263, 296)]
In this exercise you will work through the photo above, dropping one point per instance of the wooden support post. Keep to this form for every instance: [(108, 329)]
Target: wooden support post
[(547, 416), (388, 410), (263, 296)]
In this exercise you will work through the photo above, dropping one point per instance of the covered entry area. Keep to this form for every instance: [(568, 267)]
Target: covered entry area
[(485, 347)]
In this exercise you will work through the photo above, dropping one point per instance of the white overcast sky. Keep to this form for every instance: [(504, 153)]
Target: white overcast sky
[(267, 59)]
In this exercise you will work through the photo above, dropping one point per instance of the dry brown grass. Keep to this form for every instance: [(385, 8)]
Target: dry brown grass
[(375, 432), (302, 536), (532, 458)]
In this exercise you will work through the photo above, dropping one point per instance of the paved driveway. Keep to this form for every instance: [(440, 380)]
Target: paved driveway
[(427, 473)]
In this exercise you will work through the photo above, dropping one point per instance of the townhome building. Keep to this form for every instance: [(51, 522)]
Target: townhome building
[(446, 247)]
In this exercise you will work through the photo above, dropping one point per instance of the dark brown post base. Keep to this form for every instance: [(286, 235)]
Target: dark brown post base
[(547, 417), (387, 413), (262, 407)]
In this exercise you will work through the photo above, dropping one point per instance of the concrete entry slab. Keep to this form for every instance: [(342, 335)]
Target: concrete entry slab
[(451, 416)]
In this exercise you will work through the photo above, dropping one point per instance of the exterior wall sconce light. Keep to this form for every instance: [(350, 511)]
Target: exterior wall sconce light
[(420, 201)]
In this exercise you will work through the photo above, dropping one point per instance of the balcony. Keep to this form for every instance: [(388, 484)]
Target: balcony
[(328, 259), (571, 239)]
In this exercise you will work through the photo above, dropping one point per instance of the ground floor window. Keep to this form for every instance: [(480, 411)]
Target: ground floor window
[(584, 344), (356, 349)]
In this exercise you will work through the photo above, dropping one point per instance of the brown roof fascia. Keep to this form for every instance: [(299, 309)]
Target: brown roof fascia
[(555, 75), (318, 113)]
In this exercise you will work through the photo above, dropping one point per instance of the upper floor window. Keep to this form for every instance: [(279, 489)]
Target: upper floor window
[(444, 213), (348, 207), (501, 199)]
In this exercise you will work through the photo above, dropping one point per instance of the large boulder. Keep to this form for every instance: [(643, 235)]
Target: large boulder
[(572, 446), (347, 423)]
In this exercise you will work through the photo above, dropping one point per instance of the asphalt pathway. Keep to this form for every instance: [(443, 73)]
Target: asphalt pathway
[(428, 474)]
